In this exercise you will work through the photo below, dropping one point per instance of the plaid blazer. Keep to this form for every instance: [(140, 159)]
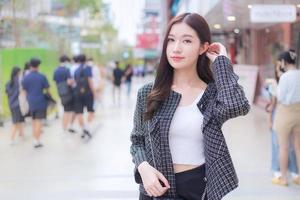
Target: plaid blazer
[(223, 99)]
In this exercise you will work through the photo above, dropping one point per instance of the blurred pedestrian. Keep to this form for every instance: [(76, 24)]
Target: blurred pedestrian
[(177, 143), (74, 66), (271, 109), (35, 86), (12, 91), (128, 78), (96, 77), (84, 95), (64, 83), (117, 80), (287, 118), (26, 69)]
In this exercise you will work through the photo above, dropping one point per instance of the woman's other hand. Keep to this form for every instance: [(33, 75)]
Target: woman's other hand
[(216, 49), (151, 178)]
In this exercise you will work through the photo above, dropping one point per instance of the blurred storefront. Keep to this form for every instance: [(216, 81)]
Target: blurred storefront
[(254, 31)]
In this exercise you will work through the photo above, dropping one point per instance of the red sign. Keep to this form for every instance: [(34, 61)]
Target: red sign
[(147, 40)]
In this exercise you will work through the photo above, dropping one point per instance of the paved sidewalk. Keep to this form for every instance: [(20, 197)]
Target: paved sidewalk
[(68, 168)]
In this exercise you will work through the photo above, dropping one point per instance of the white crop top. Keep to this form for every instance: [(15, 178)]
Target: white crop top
[(185, 135)]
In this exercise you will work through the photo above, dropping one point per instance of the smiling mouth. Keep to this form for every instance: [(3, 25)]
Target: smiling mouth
[(177, 58)]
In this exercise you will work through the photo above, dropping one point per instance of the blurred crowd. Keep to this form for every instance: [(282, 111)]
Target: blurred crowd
[(79, 84)]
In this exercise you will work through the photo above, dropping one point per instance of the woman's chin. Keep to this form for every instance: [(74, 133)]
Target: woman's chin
[(178, 65)]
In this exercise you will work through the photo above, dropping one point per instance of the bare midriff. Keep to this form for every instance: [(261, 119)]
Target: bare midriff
[(182, 167)]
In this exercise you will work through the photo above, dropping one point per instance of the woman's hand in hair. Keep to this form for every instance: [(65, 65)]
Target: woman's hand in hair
[(214, 50), (151, 178)]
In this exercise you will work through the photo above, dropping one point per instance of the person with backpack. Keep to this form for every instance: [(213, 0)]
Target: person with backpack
[(64, 82), (12, 90), (84, 95)]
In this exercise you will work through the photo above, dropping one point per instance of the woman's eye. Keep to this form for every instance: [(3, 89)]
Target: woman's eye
[(187, 41), (171, 40)]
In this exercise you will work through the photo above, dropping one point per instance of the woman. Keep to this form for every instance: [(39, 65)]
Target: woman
[(177, 144), (271, 108), (26, 69), (12, 91), (287, 118)]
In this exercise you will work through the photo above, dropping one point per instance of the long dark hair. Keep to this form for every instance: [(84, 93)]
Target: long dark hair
[(15, 71), (26, 67), (164, 77)]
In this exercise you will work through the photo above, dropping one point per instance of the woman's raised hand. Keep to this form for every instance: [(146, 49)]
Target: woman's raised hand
[(151, 178), (214, 50)]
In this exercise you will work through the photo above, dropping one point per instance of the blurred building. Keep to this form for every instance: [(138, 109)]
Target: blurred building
[(149, 37), (51, 16), (254, 31), (230, 22)]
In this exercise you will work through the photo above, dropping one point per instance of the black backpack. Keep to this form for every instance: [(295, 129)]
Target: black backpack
[(82, 83), (65, 92)]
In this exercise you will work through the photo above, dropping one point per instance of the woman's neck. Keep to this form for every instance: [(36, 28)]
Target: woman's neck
[(290, 67), (186, 78)]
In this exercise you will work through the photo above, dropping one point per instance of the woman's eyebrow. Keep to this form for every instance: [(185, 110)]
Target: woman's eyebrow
[(185, 35)]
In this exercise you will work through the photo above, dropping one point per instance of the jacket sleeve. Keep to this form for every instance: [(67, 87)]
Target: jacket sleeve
[(231, 101), (137, 137)]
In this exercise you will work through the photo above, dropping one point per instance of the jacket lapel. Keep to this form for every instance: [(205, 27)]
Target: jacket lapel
[(166, 112), (204, 103)]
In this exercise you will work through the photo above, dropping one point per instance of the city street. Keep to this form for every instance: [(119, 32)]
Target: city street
[(68, 168)]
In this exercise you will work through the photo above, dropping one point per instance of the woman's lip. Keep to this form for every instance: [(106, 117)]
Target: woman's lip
[(177, 58)]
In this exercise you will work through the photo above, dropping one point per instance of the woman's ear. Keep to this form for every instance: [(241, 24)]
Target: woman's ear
[(203, 48)]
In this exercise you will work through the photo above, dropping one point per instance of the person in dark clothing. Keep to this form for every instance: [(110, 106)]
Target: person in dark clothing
[(34, 84), (12, 90), (84, 95), (117, 80), (128, 77), (64, 83)]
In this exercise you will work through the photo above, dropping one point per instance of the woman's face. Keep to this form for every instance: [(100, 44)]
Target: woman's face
[(183, 47)]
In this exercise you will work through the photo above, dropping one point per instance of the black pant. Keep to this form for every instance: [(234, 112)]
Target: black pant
[(190, 185), (82, 101)]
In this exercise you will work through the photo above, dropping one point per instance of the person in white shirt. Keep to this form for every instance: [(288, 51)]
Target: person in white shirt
[(271, 86), (74, 67), (96, 78), (287, 118)]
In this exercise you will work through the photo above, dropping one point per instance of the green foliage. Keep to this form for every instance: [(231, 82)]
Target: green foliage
[(72, 6)]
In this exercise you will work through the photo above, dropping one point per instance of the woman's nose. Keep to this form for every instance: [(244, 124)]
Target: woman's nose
[(177, 47)]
